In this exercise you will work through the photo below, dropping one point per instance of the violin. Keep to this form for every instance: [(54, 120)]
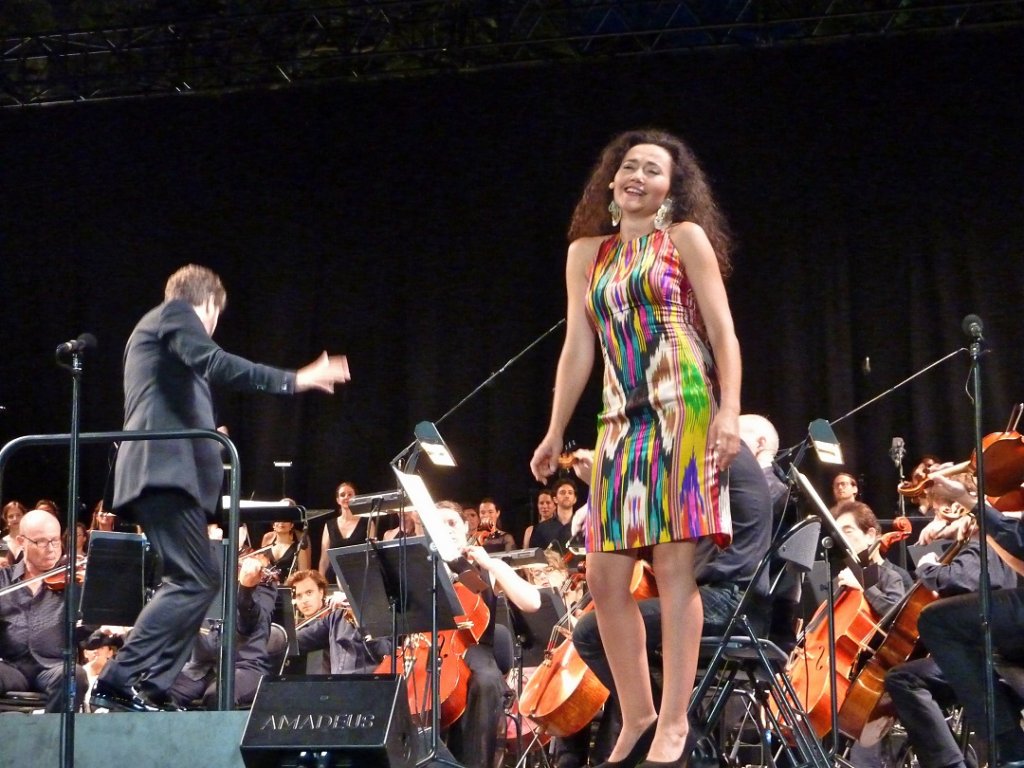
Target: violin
[(55, 579), (1004, 463), (326, 609)]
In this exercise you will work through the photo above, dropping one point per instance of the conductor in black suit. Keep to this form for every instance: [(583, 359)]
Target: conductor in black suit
[(170, 487)]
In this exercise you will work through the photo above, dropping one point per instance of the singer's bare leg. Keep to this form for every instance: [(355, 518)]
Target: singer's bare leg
[(623, 636), (682, 620)]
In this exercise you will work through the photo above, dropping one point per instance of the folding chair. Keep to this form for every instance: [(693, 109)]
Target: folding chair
[(747, 667)]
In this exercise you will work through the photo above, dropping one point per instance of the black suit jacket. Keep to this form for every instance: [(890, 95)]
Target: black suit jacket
[(169, 363)]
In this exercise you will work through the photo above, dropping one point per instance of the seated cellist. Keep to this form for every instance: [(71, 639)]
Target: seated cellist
[(473, 739)]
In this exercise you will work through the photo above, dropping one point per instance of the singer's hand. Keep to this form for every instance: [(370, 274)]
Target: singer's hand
[(323, 373), (545, 459)]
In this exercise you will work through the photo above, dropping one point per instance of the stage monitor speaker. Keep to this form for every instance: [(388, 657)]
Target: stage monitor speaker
[(360, 721), (119, 570)]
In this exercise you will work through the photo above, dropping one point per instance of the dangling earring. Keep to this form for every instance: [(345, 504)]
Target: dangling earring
[(663, 217), (616, 212)]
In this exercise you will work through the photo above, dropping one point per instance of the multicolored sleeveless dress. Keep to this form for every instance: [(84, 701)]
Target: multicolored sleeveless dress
[(654, 478)]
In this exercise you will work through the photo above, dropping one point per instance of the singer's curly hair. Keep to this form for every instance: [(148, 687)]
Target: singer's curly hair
[(689, 190), (195, 284)]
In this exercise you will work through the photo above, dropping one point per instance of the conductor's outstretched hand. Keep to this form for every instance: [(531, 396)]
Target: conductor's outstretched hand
[(323, 373)]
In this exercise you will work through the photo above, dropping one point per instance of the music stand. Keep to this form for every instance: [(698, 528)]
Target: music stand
[(533, 630), (376, 578), (845, 554), (284, 614), (120, 570)]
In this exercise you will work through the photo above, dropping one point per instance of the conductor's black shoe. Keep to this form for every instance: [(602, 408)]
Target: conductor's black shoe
[(116, 700)]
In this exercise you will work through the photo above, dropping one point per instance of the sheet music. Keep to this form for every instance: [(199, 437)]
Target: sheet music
[(422, 502)]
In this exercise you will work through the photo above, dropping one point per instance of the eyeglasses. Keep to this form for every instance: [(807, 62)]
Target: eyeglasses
[(44, 543)]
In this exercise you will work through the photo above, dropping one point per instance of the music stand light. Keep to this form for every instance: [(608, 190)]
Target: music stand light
[(432, 444), (825, 442)]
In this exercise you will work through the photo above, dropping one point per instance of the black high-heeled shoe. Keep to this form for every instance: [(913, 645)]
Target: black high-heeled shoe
[(679, 762), (636, 754)]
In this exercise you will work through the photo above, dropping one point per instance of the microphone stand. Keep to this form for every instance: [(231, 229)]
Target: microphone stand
[(67, 717), (410, 466), (983, 580)]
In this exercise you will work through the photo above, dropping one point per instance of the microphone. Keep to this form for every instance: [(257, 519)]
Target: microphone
[(897, 451), (82, 343), (972, 326)]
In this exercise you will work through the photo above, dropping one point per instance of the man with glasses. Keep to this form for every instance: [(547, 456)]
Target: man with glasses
[(32, 618)]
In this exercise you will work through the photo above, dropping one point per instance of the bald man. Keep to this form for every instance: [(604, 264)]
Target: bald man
[(32, 618)]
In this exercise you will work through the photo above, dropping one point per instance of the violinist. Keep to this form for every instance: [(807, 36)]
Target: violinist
[(490, 536), (473, 739), (918, 688), (289, 546), (197, 681), (951, 630), (309, 592), (9, 550), (326, 627), (32, 618)]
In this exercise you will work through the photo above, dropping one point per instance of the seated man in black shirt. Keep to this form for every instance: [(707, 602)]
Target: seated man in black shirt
[(32, 618), (951, 629)]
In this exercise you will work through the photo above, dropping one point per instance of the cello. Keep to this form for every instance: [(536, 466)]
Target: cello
[(416, 655), (866, 714), (564, 695), (854, 625)]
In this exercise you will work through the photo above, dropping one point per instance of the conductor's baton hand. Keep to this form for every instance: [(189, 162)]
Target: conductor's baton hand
[(323, 373)]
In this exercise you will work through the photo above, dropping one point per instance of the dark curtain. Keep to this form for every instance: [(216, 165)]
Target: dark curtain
[(875, 188)]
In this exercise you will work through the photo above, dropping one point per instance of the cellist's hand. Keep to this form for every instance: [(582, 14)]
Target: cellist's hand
[(479, 556), (847, 579)]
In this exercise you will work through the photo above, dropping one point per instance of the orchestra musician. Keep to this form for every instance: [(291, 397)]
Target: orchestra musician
[(918, 688), (473, 739), (558, 527), (309, 593), (951, 630), (32, 632), (545, 511), (289, 547), (489, 533), (171, 487), (257, 593), (344, 530)]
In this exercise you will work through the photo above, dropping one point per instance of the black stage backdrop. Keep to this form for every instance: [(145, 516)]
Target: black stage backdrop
[(875, 188)]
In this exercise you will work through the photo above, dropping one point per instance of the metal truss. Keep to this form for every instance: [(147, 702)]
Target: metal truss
[(135, 48)]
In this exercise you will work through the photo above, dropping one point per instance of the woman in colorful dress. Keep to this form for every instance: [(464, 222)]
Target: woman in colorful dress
[(645, 276)]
